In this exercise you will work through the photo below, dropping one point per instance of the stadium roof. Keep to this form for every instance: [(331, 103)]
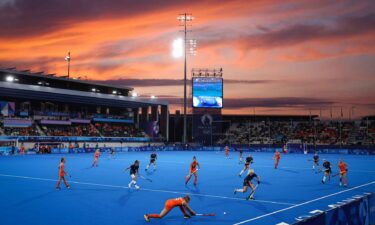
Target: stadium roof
[(40, 78), (15, 90)]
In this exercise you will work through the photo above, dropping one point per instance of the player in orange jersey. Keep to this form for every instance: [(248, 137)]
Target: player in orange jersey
[(96, 158), (62, 174), (181, 202), (193, 170), (226, 151), (343, 167), (276, 158), (285, 148)]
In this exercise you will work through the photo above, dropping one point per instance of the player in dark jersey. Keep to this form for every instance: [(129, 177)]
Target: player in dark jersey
[(153, 158), (111, 153), (241, 158), (248, 161), (315, 161), (247, 183), (134, 171), (327, 171)]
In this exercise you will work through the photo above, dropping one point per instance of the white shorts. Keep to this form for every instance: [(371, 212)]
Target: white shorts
[(133, 176)]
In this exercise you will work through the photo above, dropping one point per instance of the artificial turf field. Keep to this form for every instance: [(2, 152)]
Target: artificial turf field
[(100, 196)]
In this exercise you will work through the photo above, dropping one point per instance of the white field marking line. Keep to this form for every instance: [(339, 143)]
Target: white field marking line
[(303, 203), (145, 189)]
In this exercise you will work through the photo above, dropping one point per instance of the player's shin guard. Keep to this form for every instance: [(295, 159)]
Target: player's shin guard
[(157, 216), (242, 172), (239, 190), (187, 179)]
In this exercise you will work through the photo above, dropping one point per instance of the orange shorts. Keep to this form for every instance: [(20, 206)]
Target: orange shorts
[(193, 171), (169, 205)]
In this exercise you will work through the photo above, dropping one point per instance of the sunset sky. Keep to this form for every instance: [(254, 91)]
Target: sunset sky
[(279, 57)]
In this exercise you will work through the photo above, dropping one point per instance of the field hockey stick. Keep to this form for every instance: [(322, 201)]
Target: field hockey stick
[(336, 174), (205, 214), (68, 175), (145, 178)]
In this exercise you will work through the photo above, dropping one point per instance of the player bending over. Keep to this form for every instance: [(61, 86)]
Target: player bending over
[(193, 170), (248, 161), (276, 158), (241, 158), (181, 202), (62, 174), (247, 183), (134, 171), (153, 158), (315, 161), (343, 167), (327, 171), (95, 163)]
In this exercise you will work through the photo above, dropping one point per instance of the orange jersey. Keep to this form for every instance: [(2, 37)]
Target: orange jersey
[(342, 167), (170, 203), (277, 155), (193, 166), (97, 154), (62, 169)]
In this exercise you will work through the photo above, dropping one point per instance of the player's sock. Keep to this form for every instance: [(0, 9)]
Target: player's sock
[(187, 179), (195, 180), (239, 190), (324, 179), (147, 166), (241, 172), (154, 216)]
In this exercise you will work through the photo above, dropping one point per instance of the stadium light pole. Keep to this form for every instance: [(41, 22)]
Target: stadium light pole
[(67, 58), (184, 19)]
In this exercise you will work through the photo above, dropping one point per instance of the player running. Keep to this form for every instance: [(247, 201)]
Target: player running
[(327, 171), (182, 203), (343, 167), (134, 171), (315, 161), (247, 183), (95, 163), (226, 152), (153, 158), (193, 170), (276, 158), (241, 158), (285, 148), (62, 174), (248, 161), (111, 153)]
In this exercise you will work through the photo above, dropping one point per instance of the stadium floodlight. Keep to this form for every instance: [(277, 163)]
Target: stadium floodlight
[(152, 96), (134, 94), (93, 89), (184, 19), (9, 78), (114, 92), (68, 58), (178, 48)]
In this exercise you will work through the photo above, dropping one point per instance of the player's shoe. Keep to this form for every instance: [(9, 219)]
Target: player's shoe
[(129, 186), (235, 191), (58, 188), (136, 187), (340, 184), (186, 216), (322, 182), (146, 217), (68, 187)]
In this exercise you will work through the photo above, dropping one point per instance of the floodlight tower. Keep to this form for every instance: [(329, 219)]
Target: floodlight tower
[(67, 58), (184, 19)]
